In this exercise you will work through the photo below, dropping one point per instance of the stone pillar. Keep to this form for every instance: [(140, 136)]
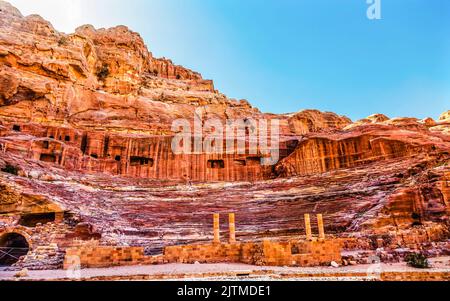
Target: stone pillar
[(320, 225), (216, 228), (232, 226), (308, 227)]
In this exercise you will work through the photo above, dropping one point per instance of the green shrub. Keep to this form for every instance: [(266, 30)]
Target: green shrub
[(417, 260), (10, 169)]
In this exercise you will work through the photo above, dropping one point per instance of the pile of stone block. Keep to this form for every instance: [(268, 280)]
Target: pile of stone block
[(42, 258)]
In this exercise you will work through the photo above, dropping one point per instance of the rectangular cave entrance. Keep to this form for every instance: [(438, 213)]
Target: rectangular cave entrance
[(253, 161), (47, 158), (216, 164), (32, 219), (141, 161)]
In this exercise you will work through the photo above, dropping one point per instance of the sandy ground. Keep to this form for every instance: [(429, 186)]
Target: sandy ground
[(229, 271)]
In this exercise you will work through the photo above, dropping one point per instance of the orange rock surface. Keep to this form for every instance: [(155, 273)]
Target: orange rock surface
[(86, 124)]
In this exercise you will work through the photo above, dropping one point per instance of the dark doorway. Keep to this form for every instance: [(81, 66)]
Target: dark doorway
[(84, 143), (12, 247), (216, 164), (31, 220), (136, 161), (48, 158)]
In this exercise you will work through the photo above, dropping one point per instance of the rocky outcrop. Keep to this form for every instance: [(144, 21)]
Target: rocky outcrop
[(85, 153), (50, 77), (7, 8), (314, 121), (390, 195), (445, 116), (319, 155)]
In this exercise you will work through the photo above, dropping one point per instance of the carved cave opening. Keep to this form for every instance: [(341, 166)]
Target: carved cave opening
[(141, 161), (47, 158), (253, 161), (16, 128), (12, 247), (216, 164), (106, 146), (84, 143), (32, 219)]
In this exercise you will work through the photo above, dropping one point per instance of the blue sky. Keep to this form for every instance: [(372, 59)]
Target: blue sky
[(288, 55)]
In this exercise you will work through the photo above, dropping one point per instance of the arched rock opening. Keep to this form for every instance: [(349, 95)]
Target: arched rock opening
[(12, 247)]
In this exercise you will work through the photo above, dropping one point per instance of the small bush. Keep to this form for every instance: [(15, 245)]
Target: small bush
[(10, 169), (417, 260), (103, 73)]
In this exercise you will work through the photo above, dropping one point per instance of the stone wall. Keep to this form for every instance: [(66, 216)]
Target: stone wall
[(305, 253), (43, 257), (267, 253), (412, 238), (101, 256)]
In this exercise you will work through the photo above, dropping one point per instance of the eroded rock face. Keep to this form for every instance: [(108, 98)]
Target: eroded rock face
[(7, 8), (445, 116), (319, 155), (86, 123), (315, 121)]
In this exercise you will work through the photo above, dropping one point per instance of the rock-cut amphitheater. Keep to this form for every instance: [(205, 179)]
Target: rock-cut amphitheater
[(88, 176)]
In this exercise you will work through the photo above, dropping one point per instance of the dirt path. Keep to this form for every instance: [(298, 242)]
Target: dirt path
[(230, 272)]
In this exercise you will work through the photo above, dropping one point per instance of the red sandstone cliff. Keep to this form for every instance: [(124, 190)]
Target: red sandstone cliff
[(86, 120)]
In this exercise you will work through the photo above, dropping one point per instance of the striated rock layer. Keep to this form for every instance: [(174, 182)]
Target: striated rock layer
[(86, 132)]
